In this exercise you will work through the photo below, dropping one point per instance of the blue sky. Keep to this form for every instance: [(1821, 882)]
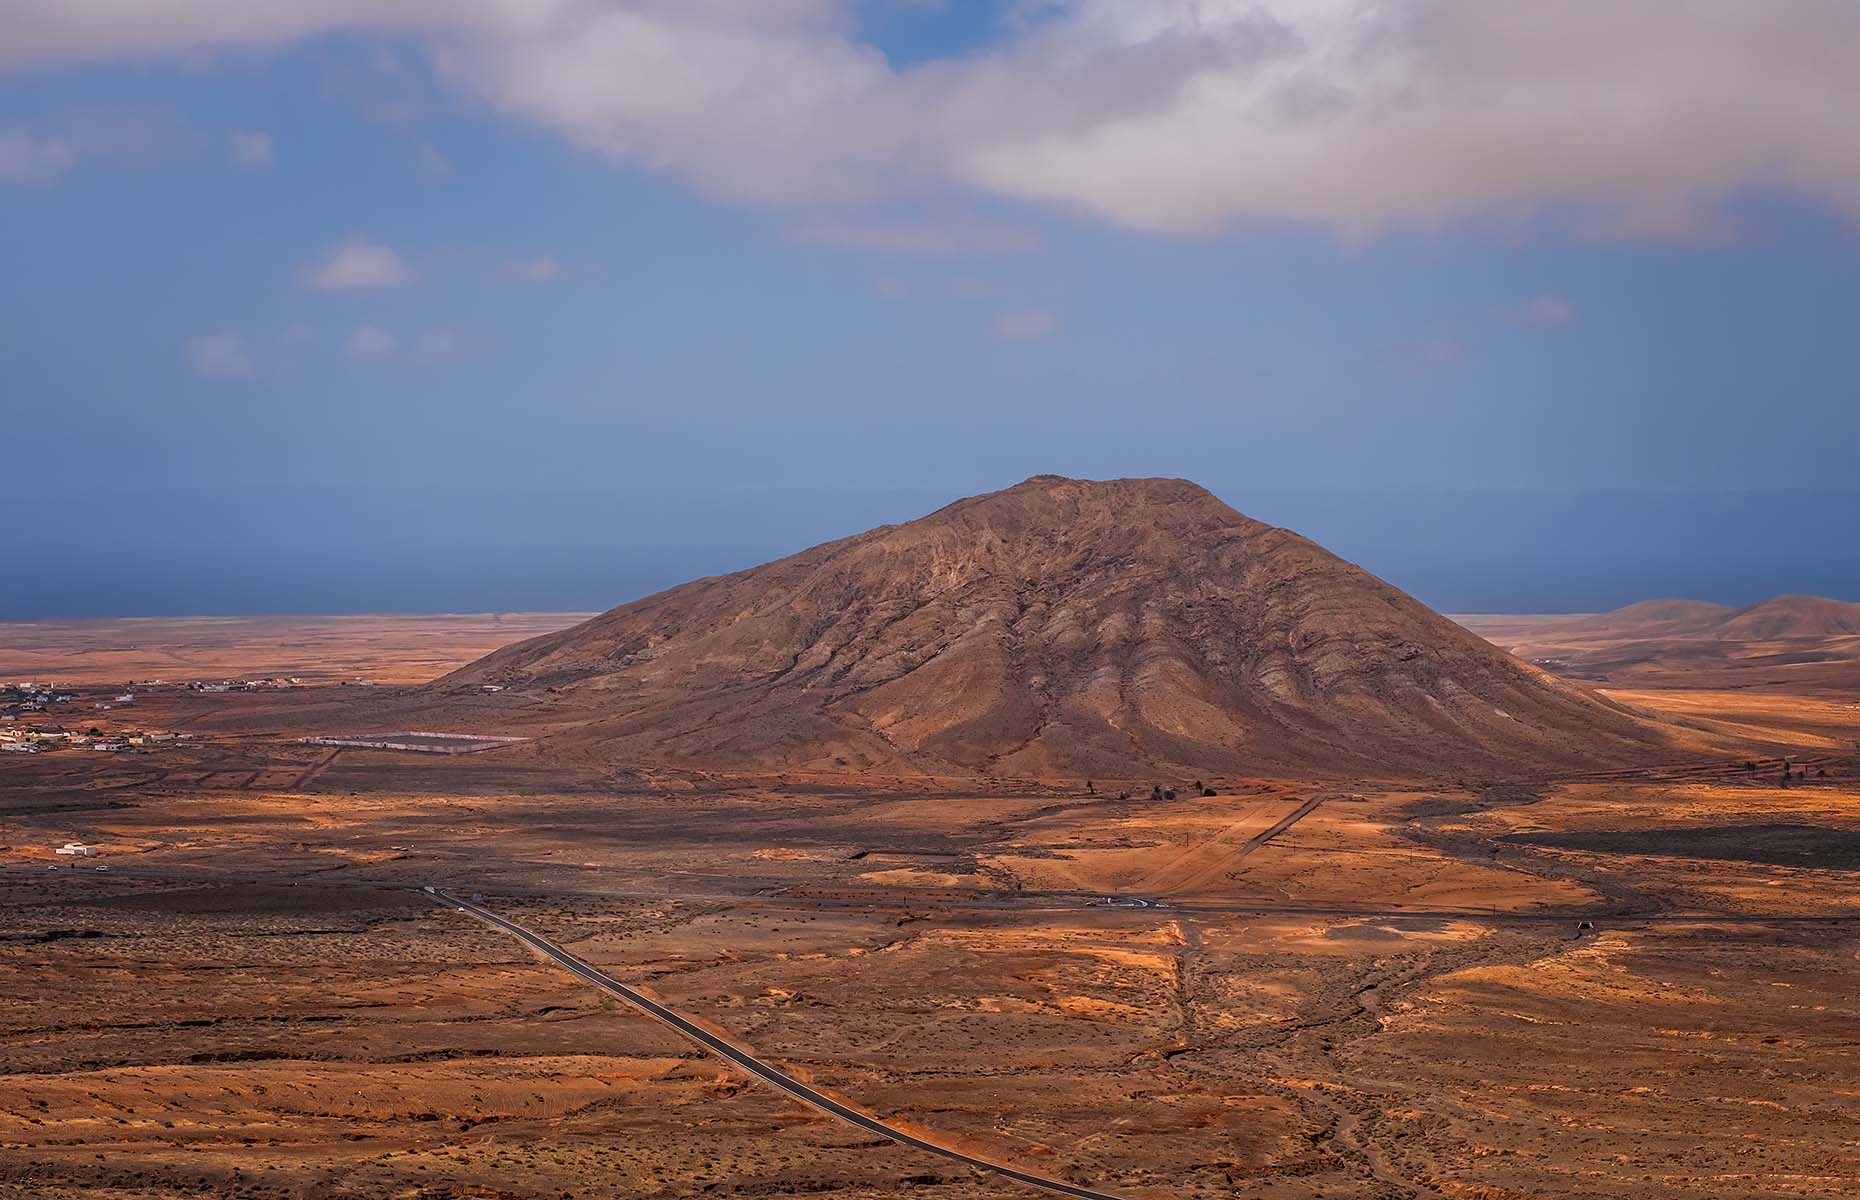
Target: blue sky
[(266, 263)]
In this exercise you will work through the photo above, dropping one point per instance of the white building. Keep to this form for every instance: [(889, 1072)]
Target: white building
[(77, 850)]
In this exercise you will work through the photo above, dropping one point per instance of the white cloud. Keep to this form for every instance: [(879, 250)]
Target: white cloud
[(369, 344), (251, 148), (1549, 310), (1028, 326), (28, 159), (540, 269), (358, 265), (1179, 115), (219, 356), (122, 135)]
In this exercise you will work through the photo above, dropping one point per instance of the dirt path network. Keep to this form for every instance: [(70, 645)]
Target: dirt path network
[(1204, 863)]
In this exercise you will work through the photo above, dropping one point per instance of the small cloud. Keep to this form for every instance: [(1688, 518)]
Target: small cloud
[(358, 265), (251, 148), (438, 345), (1549, 310), (1028, 326), (540, 269), (219, 356), (28, 159), (371, 344), (924, 238), (1439, 352)]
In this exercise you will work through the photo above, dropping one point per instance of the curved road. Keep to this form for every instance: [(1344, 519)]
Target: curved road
[(755, 1066)]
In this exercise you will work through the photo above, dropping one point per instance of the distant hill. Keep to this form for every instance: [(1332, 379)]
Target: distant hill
[(1060, 627), (1652, 618), (1792, 617), (1804, 642)]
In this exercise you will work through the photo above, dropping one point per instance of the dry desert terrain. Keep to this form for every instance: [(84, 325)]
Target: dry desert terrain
[(1633, 982)]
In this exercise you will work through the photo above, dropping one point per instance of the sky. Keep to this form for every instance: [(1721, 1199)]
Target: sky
[(449, 305)]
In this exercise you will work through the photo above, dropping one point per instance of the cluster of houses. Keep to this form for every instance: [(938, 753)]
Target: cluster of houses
[(244, 685), (22, 701), (16, 698), (36, 738)]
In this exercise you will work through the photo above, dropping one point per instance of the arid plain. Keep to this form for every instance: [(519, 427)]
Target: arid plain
[(1554, 986)]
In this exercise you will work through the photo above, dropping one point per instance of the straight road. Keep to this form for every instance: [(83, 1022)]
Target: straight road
[(1304, 810), (752, 1065)]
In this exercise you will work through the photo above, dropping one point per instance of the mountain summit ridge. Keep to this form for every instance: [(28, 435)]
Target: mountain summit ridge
[(1059, 627)]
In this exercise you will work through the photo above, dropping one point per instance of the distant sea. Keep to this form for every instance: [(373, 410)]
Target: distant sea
[(253, 551)]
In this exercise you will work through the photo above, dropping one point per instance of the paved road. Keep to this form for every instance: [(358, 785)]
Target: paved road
[(755, 1067), (1300, 813)]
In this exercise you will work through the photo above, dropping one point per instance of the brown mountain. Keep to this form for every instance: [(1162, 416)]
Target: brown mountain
[(1651, 618), (1793, 617), (1058, 628), (1803, 643)]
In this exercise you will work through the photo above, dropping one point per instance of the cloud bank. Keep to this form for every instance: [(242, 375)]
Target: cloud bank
[(1631, 118)]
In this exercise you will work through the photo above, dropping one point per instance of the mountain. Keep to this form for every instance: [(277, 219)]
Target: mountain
[(1807, 644), (1058, 628), (1792, 617), (1651, 618), (1781, 617)]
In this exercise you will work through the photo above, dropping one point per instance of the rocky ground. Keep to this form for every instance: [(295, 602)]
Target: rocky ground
[(1392, 996)]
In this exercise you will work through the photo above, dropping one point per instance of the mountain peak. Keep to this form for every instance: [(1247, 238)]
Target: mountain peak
[(1059, 626)]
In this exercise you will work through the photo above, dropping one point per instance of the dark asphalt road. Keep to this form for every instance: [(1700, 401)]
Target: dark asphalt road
[(755, 1066)]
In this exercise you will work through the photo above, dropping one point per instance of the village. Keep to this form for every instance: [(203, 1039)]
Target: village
[(38, 716)]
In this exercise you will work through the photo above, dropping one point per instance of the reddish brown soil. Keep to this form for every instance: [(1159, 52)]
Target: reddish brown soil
[(385, 649), (1390, 997)]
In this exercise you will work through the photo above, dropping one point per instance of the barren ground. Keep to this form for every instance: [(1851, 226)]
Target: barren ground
[(1390, 997), (384, 649)]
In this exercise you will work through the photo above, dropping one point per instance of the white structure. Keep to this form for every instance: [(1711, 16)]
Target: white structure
[(77, 850)]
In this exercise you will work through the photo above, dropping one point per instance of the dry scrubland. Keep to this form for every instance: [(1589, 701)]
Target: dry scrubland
[(386, 649), (1389, 997)]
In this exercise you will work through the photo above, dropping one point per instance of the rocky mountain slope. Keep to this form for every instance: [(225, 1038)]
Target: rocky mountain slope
[(1058, 628)]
